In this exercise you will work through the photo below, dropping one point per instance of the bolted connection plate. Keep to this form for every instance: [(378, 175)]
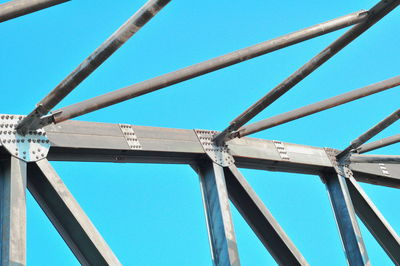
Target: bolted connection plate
[(219, 154), (130, 137), (32, 147)]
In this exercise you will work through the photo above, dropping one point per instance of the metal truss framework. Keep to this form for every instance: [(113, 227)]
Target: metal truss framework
[(215, 156)]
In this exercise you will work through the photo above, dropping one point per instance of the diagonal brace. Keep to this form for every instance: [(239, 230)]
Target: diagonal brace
[(374, 221), (67, 216), (374, 15), (261, 220), (90, 64)]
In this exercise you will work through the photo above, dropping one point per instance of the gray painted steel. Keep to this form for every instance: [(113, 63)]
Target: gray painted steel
[(17, 8), (378, 144), (13, 211), (374, 221), (261, 220), (85, 141), (317, 107), (90, 64), (346, 220), (67, 216), (102, 142), (205, 67), (374, 15), (218, 215)]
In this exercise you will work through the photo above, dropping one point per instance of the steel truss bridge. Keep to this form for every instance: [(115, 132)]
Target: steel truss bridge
[(29, 142)]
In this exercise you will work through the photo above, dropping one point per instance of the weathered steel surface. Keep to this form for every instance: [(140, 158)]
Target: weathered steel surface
[(13, 211), (374, 221), (374, 15), (317, 107), (90, 64), (218, 215), (67, 216), (378, 144), (17, 8), (372, 132), (206, 67), (261, 220), (387, 159)]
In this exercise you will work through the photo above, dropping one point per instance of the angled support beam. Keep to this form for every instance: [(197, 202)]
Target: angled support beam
[(67, 216), (374, 221), (317, 107), (261, 220), (13, 211), (346, 219), (374, 15), (221, 233), (372, 132), (90, 64), (389, 159), (17, 8), (205, 67), (378, 144)]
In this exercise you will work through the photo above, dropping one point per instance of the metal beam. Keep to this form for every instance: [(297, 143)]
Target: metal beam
[(218, 216), (317, 107), (67, 216), (374, 221), (378, 144), (390, 159), (261, 220), (90, 64), (13, 211), (205, 67), (372, 132), (374, 15), (103, 142), (345, 218), (17, 8)]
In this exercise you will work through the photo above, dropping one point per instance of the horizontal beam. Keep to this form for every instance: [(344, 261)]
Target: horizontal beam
[(205, 67), (379, 144), (67, 216), (317, 107), (104, 142), (374, 221), (375, 14), (261, 220), (17, 8), (90, 64)]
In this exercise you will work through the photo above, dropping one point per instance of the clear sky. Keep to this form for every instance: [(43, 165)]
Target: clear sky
[(152, 214)]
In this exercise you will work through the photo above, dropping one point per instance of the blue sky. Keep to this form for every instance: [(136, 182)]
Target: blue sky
[(152, 214)]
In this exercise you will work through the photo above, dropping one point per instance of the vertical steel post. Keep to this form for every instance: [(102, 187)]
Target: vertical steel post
[(13, 211), (346, 219), (218, 215)]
